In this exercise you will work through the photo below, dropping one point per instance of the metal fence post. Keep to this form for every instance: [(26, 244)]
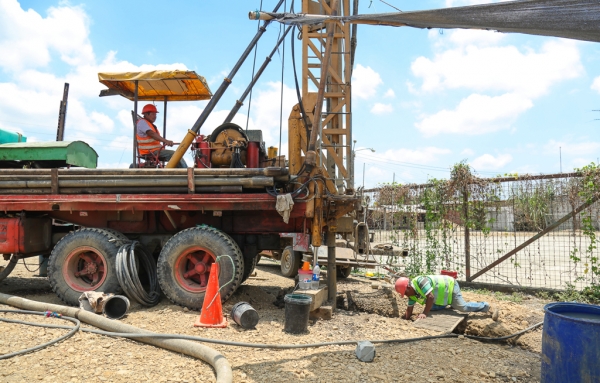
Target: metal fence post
[(467, 239)]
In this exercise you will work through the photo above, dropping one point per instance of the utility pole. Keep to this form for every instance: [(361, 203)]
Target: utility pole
[(62, 114), (364, 174)]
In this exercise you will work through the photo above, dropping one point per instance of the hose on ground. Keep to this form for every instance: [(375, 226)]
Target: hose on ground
[(211, 356), (274, 346), (127, 274), (73, 329)]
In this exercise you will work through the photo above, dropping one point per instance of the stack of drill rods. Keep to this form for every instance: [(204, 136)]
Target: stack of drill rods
[(239, 172), (112, 181)]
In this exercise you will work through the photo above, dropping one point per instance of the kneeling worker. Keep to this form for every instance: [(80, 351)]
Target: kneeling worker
[(436, 292)]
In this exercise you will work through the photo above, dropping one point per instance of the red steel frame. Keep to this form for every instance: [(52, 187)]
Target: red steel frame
[(233, 213)]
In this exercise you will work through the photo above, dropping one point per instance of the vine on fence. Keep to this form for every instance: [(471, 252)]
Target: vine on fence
[(436, 213), (429, 220), (589, 191)]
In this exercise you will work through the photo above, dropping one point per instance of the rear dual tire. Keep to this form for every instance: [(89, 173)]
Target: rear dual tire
[(186, 259), (84, 260)]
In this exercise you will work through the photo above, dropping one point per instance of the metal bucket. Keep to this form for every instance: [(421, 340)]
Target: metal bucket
[(115, 306), (244, 315), (571, 343)]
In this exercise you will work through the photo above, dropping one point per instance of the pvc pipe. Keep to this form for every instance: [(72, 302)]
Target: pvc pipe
[(194, 349)]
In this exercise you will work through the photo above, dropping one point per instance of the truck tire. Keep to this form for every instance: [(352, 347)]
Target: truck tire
[(343, 272), (117, 234), (84, 260), (5, 272), (184, 265), (249, 266), (290, 262)]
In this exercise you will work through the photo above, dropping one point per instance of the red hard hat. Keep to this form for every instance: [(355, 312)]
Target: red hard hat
[(401, 285), (149, 108)]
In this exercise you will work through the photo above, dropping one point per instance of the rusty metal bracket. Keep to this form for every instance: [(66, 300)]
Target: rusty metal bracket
[(54, 180), (191, 183)]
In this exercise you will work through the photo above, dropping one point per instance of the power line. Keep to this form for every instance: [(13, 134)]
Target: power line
[(413, 165)]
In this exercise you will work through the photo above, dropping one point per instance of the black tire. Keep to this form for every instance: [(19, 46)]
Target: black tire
[(71, 255), (290, 262), (249, 265), (14, 259), (343, 272), (200, 242), (117, 234)]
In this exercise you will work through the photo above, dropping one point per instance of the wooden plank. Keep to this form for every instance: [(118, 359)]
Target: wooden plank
[(443, 321)]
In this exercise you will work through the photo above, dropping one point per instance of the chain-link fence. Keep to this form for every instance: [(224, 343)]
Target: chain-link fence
[(536, 231)]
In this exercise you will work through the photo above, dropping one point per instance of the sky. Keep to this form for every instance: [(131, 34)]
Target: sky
[(424, 100)]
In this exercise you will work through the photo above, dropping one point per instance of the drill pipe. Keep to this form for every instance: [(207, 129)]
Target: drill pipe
[(251, 183), (239, 172), (131, 190)]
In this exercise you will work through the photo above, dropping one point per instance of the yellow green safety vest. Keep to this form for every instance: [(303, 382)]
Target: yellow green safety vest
[(444, 284)]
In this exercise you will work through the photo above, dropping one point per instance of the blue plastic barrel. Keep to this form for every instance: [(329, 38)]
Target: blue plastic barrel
[(571, 343)]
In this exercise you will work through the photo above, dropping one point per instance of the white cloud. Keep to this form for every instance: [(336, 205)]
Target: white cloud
[(365, 82), (504, 69), (596, 84), (575, 148), (463, 37), (476, 114), (380, 108), (489, 162), (389, 93), (266, 109), (419, 155), (467, 152), (28, 40)]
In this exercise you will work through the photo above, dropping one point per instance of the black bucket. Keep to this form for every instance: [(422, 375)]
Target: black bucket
[(297, 308), (244, 315)]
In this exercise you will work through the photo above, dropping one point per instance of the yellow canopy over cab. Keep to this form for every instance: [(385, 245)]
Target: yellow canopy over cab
[(175, 85)]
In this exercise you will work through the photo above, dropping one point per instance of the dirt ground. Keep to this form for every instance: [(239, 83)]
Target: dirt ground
[(95, 358)]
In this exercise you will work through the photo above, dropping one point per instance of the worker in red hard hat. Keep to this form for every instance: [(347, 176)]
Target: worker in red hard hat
[(436, 292), (149, 140)]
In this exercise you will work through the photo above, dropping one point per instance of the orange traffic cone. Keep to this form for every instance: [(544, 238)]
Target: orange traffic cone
[(212, 310)]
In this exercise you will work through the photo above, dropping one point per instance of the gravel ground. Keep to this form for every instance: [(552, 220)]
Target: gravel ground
[(95, 358)]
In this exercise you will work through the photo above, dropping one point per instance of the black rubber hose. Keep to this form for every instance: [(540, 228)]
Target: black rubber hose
[(74, 329), (128, 277), (278, 346)]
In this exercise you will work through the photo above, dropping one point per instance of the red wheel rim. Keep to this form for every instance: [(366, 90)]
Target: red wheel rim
[(84, 269), (192, 268)]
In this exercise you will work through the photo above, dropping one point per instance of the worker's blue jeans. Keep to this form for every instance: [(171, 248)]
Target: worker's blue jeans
[(166, 154), (459, 303)]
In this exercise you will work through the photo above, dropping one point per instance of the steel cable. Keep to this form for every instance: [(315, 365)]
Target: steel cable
[(128, 275)]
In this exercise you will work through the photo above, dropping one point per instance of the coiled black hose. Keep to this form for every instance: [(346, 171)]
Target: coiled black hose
[(127, 274)]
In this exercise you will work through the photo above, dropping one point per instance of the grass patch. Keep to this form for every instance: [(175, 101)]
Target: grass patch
[(571, 294)]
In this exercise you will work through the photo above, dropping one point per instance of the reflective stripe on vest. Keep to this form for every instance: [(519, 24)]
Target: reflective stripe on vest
[(147, 144), (443, 288)]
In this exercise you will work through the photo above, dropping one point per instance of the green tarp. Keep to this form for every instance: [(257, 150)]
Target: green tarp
[(59, 154)]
